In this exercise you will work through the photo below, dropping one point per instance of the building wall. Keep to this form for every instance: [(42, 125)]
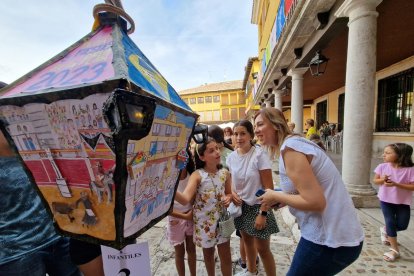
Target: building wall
[(307, 113), (231, 106), (332, 99), (380, 139), (250, 106), (287, 114), (269, 8)]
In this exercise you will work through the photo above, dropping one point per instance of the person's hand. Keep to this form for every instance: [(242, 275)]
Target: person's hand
[(236, 199), (270, 197), (388, 182), (226, 200), (260, 222), (188, 215), (278, 206)]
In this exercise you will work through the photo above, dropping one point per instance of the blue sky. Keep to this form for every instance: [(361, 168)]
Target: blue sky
[(191, 42)]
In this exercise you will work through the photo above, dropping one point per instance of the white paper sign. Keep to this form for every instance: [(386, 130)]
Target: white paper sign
[(132, 260)]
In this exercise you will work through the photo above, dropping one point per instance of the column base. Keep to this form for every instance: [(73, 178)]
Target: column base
[(360, 190), (368, 201)]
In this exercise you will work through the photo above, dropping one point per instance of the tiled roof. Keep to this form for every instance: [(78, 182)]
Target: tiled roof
[(211, 87)]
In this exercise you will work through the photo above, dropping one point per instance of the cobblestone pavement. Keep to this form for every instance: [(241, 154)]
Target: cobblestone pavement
[(283, 246)]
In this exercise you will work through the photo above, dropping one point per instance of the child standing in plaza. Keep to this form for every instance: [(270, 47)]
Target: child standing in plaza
[(180, 226), (250, 169), (209, 189), (396, 180)]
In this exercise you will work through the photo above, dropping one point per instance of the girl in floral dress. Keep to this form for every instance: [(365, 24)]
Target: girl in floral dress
[(209, 189)]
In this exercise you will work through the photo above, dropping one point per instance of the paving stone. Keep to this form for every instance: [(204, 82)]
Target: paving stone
[(283, 246)]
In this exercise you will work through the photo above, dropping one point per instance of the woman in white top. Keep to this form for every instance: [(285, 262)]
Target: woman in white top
[(313, 189), (250, 169)]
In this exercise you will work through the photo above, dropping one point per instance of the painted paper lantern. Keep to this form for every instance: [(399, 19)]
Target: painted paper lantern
[(100, 133)]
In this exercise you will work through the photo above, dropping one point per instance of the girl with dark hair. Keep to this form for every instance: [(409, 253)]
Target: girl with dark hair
[(250, 169), (209, 190), (217, 134), (396, 180), (228, 135)]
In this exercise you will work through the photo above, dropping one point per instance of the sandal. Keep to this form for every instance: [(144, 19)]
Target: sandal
[(384, 236), (391, 255)]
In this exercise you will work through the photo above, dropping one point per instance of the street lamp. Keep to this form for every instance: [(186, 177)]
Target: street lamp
[(318, 64)]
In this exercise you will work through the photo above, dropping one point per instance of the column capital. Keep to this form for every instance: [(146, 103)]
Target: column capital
[(355, 9), (297, 73)]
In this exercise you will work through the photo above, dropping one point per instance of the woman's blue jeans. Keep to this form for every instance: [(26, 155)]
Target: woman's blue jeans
[(53, 260), (314, 259), (396, 216)]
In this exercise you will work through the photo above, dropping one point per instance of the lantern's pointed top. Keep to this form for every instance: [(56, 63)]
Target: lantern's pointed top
[(104, 58), (115, 7)]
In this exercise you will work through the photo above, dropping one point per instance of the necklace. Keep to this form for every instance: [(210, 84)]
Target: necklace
[(211, 173)]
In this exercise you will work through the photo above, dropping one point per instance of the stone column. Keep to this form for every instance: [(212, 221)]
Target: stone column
[(359, 97), (268, 103), (278, 99), (297, 98)]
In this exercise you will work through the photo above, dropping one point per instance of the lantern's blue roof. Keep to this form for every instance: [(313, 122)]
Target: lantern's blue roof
[(103, 55)]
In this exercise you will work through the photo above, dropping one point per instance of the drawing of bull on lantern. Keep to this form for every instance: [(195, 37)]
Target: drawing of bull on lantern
[(67, 156)]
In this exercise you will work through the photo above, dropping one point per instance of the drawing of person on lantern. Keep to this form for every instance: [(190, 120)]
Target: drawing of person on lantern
[(94, 110), (89, 120), (141, 201), (83, 121), (103, 182), (159, 184), (89, 218), (170, 187), (152, 192), (99, 119)]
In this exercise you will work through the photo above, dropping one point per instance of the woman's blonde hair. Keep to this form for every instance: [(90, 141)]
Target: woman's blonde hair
[(278, 121)]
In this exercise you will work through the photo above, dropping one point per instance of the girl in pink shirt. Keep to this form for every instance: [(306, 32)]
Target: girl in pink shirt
[(396, 180)]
